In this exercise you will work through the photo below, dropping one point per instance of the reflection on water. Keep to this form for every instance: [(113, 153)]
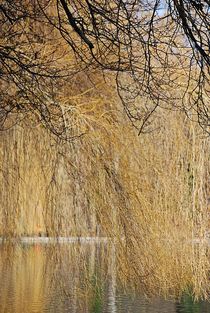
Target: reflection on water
[(73, 278)]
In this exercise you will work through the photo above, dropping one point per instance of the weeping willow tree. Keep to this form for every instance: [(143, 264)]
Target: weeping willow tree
[(72, 163), (147, 195)]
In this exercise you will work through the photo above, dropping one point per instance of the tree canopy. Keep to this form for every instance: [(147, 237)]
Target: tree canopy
[(157, 50)]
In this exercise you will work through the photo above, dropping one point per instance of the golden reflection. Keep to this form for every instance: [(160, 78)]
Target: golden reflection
[(86, 277), (22, 278)]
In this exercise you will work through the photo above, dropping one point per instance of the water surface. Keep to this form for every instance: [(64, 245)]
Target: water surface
[(76, 278)]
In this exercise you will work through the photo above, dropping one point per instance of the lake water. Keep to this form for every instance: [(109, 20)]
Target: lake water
[(74, 278)]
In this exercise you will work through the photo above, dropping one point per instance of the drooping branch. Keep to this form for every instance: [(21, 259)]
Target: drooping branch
[(73, 23), (158, 52)]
